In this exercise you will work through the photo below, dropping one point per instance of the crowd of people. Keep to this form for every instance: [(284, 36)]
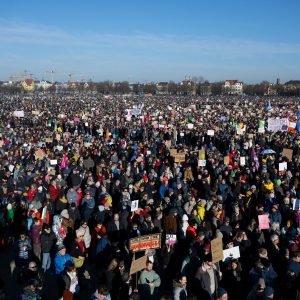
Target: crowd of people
[(73, 167)]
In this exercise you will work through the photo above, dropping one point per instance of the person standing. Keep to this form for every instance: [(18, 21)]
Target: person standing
[(149, 281), (179, 288), (35, 235), (47, 243)]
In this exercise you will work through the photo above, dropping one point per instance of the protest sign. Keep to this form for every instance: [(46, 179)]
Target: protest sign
[(179, 157), (53, 162), (168, 144), (264, 222), (277, 124), (11, 168), (87, 145), (231, 253), (138, 264), (201, 163), (210, 132), (173, 152), (171, 239), (1, 143), (48, 140), (201, 154), (19, 113), (151, 241), (35, 112), (190, 126), (282, 166), (261, 130), (296, 204), (288, 153), (217, 249), (226, 160), (134, 205), (242, 161), (39, 154)]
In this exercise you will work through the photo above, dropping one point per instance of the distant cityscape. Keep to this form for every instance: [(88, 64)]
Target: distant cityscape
[(195, 86)]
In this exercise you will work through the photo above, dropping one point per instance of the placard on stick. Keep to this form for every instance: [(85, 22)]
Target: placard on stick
[(263, 222), (226, 160), (138, 264), (217, 249), (179, 157)]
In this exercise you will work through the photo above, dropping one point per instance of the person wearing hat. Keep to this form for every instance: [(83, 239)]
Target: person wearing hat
[(47, 243), (67, 222), (61, 259), (206, 279)]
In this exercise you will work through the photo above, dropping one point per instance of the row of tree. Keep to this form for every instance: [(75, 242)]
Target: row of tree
[(188, 87)]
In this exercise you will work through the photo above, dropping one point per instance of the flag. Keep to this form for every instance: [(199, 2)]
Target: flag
[(64, 162), (254, 158), (291, 126), (107, 135)]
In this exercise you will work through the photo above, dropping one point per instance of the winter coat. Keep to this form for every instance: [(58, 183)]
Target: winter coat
[(60, 262), (47, 241), (35, 233), (179, 291)]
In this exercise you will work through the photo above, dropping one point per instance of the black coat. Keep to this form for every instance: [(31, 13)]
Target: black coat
[(47, 241)]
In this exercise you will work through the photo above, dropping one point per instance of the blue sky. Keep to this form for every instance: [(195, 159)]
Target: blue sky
[(157, 40)]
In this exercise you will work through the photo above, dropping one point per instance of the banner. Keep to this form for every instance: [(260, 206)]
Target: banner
[(171, 239), (151, 241), (277, 124), (210, 132), (296, 204), (217, 249), (282, 166)]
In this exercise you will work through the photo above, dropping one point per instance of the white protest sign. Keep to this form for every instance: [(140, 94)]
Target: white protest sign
[(171, 239), (201, 163), (11, 168), (134, 205), (210, 132), (296, 204), (283, 166), (53, 162), (190, 126), (231, 253), (18, 113), (242, 160)]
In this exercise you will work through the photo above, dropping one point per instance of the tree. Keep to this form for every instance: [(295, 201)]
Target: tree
[(172, 88), (216, 88)]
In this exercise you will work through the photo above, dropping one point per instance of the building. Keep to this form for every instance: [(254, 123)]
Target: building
[(233, 87)]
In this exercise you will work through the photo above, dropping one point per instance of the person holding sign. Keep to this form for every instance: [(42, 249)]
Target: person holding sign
[(149, 282)]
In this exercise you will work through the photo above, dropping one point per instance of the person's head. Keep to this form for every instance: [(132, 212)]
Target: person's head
[(261, 286), (275, 239), (116, 217), (84, 224), (148, 218), (103, 293), (208, 260), (262, 252), (149, 266), (296, 256), (70, 267), (62, 250), (22, 236), (47, 228), (36, 221), (182, 279), (33, 266), (269, 293)]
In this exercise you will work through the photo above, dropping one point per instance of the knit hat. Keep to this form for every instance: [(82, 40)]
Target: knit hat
[(185, 217), (80, 232), (65, 214), (60, 247)]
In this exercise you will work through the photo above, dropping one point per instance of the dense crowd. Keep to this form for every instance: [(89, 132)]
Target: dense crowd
[(201, 170)]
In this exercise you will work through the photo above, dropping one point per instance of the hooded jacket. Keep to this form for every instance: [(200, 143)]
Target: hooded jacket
[(179, 291)]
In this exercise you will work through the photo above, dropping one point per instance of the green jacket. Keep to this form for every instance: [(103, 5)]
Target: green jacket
[(147, 277)]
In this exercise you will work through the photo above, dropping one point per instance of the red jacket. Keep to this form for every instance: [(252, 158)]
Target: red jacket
[(54, 192)]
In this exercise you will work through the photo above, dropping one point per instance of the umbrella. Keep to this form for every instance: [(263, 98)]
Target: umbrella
[(267, 151)]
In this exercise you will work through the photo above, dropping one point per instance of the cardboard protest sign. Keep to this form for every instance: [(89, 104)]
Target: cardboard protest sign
[(151, 241), (134, 205), (173, 152), (231, 253), (288, 153), (87, 145), (263, 222), (35, 112), (48, 140), (217, 249), (138, 264), (39, 154), (242, 161), (168, 144), (296, 204), (210, 132), (201, 154), (171, 239), (226, 160), (179, 157), (282, 166), (19, 113)]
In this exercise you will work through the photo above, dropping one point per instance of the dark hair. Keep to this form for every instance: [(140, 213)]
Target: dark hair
[(102, 290)]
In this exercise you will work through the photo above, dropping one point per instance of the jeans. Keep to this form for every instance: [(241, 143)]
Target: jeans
[(46, 261)]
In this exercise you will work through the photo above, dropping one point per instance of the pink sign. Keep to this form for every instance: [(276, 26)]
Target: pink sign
[(264, 222), (76, 120)]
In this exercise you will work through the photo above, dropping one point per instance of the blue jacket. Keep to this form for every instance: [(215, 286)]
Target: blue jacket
[(60, 262)]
